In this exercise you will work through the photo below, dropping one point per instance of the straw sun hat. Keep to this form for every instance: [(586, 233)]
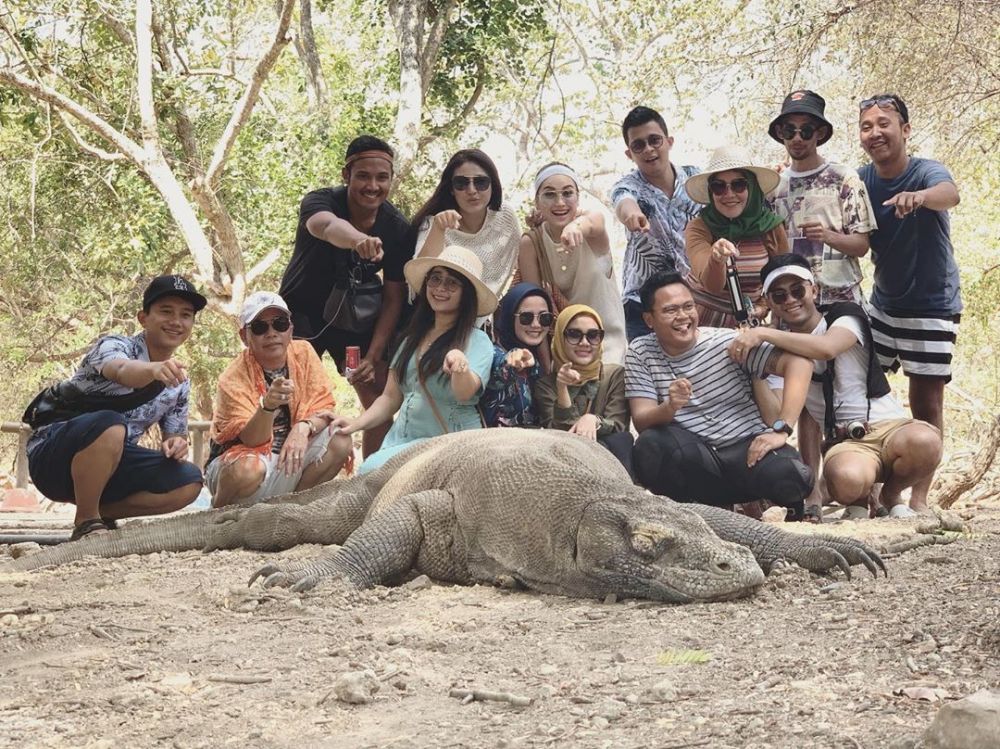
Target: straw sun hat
[(461, 261), (724, 159)]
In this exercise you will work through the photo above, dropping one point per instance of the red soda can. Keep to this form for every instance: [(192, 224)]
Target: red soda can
[(352, 359)]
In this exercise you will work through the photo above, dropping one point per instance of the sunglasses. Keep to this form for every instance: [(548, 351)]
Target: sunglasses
[(481, 182), (443, 279), (545, 319), (780, 296), (575, 336), (886, 102), (639, 144), (787, 131), (280, 324), (720, 188), (551, 196)]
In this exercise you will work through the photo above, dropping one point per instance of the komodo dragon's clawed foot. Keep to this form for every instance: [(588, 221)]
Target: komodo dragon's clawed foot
[(824, 553), (296, 580)]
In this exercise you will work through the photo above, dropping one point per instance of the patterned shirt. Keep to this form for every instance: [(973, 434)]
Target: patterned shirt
[(506, 401), (836, 196), (722, 409), (662, 247), (169, 409)]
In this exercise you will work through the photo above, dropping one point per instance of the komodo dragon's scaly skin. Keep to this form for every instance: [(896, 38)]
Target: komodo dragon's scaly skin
[(545, 509)]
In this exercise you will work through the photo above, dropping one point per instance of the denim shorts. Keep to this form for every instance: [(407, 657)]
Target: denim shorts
[(139, 470)]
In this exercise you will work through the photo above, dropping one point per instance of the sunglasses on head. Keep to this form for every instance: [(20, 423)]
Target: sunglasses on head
[(720, 187), (481, 182), (574, 335), (888, 101), (639, 144), (780, 296), (545, 319), (280, 324), (787, 131)]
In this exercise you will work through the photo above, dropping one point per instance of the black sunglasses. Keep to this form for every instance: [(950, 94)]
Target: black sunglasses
[(574, 335), (780, 296), (280, 324), (639, 144), (545, 319), (719, 188), (887, 101), (787, 131), (481, 182)]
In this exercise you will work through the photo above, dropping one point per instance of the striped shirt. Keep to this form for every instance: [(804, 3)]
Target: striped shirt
[(722, 409)]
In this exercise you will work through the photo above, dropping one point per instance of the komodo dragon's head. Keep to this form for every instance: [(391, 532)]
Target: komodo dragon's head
[(649, 547)]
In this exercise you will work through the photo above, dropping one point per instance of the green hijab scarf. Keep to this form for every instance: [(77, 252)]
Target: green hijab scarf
[(756, 219)]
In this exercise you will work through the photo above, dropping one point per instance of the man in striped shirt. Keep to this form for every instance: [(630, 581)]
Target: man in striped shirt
[(701, 435)]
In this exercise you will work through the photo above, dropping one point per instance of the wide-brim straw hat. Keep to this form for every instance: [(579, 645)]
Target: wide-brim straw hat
[(461, 261), (724, 159)]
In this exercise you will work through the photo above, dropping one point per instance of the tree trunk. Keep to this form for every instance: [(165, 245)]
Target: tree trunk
[(949, 487)]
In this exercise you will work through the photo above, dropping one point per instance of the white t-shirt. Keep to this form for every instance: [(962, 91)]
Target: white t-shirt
[(850, 383)]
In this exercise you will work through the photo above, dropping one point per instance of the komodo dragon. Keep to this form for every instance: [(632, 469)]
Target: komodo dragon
[(545, 510)]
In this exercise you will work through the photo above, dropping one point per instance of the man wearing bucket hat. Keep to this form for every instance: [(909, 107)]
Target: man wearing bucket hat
[(735, 222), (824, 205), (271, 429), (917, 303), (869, 438), (442, 360), (125, 385)]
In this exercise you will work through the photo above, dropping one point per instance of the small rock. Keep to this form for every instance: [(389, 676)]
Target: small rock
[(969, 723), (393, 638), (774, 514), (356, 687), (661, 691), (618, 657), (598, 722), (421, 582), (23, 549), (611, 710), (631, 699), (547, 669), (8, 620)]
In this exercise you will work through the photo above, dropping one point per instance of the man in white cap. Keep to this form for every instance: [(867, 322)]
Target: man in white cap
[(868, 437), (271, 429)]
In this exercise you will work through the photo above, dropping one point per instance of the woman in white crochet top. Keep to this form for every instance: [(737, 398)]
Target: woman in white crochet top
[(467, 210)]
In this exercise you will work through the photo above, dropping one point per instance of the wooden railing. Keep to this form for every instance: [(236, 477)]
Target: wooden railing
[(197, 430)]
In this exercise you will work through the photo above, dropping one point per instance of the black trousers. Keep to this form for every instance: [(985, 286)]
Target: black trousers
[(676, 463), (619, 444)]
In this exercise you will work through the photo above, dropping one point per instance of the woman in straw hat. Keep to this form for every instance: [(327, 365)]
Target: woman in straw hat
[(442, 359), (584, 396), (737, 223)]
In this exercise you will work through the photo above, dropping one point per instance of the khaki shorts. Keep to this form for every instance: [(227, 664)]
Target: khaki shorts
[(875, 443)]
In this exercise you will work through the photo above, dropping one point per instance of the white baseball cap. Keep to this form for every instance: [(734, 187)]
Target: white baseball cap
[(257, 303), (787, 270)]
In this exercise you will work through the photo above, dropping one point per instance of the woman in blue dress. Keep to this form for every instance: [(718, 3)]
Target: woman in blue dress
[(442, 360), (521, 328)]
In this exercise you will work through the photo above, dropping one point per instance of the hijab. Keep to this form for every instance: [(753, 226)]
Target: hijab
[(756, 219), (560, 356), (503, 321)]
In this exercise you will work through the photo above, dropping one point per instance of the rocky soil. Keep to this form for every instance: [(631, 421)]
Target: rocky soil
[(174, 650)]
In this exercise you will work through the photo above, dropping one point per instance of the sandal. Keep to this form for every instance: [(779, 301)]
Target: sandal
[(93, 525), (812, 514)]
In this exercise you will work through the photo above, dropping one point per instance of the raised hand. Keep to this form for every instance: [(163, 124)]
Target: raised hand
[(520, 359), (679, 393), (170, 372), (447, 219), (369, 248), (567, 375), (455, 362)]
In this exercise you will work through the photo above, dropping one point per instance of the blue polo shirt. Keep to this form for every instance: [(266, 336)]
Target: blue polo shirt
[(915, 270)]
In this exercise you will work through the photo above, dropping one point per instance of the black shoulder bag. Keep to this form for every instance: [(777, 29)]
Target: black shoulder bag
[(354, 303), (64, 400)]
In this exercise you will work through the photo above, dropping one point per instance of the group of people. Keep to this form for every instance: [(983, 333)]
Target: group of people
[(740, 315)]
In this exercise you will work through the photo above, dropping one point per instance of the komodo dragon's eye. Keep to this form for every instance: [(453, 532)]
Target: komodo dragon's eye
[(649, 541)]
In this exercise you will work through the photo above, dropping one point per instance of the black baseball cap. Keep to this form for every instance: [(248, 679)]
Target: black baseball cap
[(802, 102), (162, 286)]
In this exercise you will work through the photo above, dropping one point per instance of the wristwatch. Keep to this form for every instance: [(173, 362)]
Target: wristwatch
[(265, 408), (781, 426)]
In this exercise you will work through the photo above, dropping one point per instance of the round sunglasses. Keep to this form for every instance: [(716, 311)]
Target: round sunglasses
[(787, 131), (780, 296), (639, 144), (575, 336), (545, 319), (720, 187), (280, 324)]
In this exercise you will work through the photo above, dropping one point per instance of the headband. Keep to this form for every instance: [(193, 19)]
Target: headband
[(552, 170), (370, 154)]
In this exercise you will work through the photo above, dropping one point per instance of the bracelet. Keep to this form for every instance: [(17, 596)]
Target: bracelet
[(265, 408)]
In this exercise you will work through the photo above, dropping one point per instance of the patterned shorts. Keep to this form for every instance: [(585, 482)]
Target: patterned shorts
[(922, 345)]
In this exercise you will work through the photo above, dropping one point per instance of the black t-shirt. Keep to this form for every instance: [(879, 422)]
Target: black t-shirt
[(316, 264)]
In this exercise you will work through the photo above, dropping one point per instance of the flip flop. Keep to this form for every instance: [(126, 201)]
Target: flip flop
[(93, 525)]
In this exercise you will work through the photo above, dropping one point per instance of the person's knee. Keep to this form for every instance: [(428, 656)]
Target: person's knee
[(921, 446), (111, 440), (245, 472), (847, 480), (661, 461), (789, 482), (340, 446)]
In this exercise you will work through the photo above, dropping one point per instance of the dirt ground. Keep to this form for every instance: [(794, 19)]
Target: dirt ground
[(150, 651)]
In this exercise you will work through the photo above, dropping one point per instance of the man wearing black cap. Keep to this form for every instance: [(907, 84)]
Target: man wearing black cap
[(825, 206), (126, 384)]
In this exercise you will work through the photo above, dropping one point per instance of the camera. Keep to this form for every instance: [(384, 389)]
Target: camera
[(857, 430)]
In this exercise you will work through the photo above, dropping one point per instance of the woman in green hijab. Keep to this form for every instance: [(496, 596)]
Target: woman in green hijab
[(735, 222)]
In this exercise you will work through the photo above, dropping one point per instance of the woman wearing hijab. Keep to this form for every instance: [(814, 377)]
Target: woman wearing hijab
[(569, 254), (736, 223), (521, 327), (583, 395), (437, 374)]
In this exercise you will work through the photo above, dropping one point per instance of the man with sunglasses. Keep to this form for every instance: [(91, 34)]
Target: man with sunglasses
[(868, 437), (654, 206), (824, 205), (916, 304), (701, 435), (271, 422), (351, 232)]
